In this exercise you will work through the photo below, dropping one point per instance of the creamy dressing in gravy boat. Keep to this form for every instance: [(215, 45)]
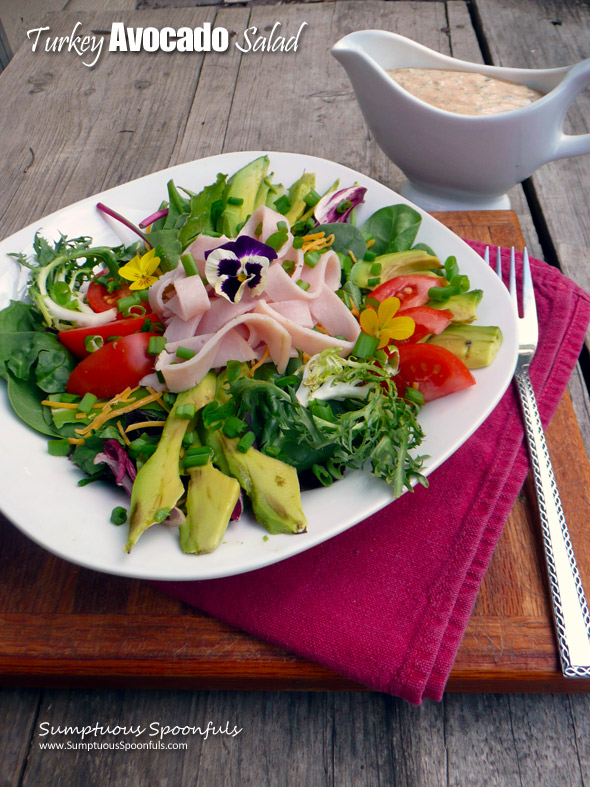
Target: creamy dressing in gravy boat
[(453, 160)]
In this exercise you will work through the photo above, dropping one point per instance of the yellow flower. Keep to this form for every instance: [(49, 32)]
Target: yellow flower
[(384, 325), (139, 271)]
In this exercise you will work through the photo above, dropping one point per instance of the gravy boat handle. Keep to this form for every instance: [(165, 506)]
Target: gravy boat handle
[(576, 80)]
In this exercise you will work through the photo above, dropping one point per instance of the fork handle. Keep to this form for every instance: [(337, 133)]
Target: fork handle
[(570, 609)]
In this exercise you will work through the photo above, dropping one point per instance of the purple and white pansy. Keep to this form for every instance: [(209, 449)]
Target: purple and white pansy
[(237, 265)]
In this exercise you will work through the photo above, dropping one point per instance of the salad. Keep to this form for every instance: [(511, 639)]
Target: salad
[(253, 341)]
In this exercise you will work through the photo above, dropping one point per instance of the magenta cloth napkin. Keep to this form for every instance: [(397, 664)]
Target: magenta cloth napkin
[(386, 603)]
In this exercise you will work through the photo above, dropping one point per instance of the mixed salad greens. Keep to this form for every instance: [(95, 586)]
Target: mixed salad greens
[(253, 340)]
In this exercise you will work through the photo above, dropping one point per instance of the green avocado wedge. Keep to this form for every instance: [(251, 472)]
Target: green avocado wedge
[(158, 486)]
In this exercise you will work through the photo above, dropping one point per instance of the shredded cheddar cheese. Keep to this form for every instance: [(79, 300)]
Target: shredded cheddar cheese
[(108, 411), (144, 425), (316, 241), (126, 440), (259, 362)]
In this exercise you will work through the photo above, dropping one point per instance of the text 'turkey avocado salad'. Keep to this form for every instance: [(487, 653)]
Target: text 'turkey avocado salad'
[(255, 339)]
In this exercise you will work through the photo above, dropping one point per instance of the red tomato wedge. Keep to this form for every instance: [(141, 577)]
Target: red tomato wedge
[(74, 338), (117, 365), (428, 321), (101, 300), (434, 371), (412, 290)]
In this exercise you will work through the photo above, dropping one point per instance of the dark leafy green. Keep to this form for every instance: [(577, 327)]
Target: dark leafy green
[(24, 398), (393, 228), (346, 238), (376, 428)]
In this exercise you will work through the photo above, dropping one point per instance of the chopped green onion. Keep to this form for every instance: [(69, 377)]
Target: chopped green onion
[(345, 205), (235, 201), (372, 303), (138, 310), (413, 395), (369, 256), (58, 447), (88, 400), (199, 450), (303, 284), (93, 343), (376, 269), (277, 240), (156, 345), (310, 224), (298, 242), (187, 411), (289, 267), (234, 427), (188, 439), (246, 442), (311, 199), (189, 264), (365, 345), (258, 230), (119, 515), (168, 398), (283, 204), (124, 304), (185, 352), (160, 376), (198, 460), (282, 226), (373, 282), (148, 449), (311, 259), (144, 295)]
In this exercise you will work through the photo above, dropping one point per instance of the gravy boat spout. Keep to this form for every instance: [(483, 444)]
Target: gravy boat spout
[(456, 161)]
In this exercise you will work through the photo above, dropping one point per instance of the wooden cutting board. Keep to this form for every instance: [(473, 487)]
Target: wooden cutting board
[(68, 626)]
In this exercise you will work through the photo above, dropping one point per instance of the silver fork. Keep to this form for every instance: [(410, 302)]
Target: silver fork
[(570, 609)]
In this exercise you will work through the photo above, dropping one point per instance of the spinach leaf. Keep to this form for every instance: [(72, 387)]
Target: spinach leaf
[(25, 398), (394, 228), (346, 238), (20, 316), (38, 356)]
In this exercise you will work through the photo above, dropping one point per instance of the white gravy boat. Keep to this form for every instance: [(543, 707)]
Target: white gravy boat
[(454, 161)]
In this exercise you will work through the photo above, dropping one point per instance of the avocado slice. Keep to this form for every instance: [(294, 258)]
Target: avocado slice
[(475, 345), (211, 498), (244, 186), (271, 485), (297, 193), (398, 263), (463, 306), (158, 486)]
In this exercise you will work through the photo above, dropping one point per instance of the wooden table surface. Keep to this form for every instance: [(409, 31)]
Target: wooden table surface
[(69, 132)]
